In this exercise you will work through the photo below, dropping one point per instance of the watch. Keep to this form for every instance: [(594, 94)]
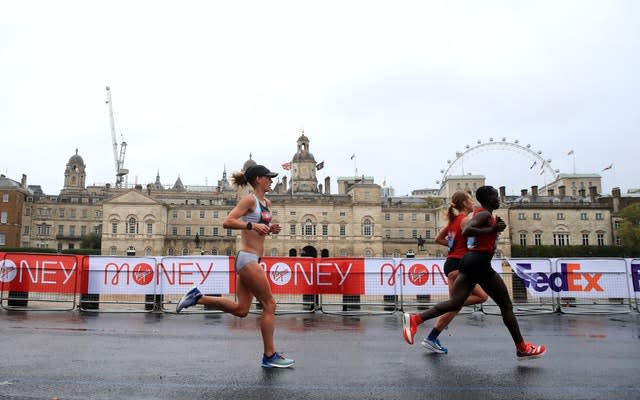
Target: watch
[(249, 226)]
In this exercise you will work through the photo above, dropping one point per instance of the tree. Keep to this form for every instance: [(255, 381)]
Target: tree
[(629, 230), (91, 241)]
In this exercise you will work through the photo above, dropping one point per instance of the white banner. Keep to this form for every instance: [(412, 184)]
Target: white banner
[(149, 275), (380, 276), (422, 276), (591, 278)]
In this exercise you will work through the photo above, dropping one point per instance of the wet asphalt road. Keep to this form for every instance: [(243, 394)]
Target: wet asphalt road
[(71, 355)]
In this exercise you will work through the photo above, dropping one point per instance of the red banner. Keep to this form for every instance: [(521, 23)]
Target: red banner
[(305, 275), (54, 273)]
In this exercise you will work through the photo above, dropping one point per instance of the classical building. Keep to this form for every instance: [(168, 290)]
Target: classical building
[(361, 219)]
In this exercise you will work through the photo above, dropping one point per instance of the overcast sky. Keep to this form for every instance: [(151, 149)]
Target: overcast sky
[(198, 85)]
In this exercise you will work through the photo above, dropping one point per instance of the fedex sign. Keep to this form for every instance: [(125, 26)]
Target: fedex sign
[(568, 279)]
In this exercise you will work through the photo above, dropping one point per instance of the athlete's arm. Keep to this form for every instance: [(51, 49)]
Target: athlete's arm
[(441, 237), (480, 224)]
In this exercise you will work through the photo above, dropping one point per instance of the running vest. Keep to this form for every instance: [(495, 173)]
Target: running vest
[(260, 215), (483, 243), (456, 243)]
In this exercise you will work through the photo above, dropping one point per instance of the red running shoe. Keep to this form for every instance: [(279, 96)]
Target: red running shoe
[(531, 351), (409, 327)]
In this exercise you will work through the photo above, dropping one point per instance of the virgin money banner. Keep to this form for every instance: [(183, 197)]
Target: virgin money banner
[(381, 276), (590, 278), (211, 274), (305, 275), (149, 275), (417, 276), (53, 273)]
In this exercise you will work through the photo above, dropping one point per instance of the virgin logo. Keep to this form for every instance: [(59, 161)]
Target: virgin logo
[(418, 274), (8, 271), (280, 274), (142, 274)]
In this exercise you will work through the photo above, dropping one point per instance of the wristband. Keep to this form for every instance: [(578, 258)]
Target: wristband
[(249, 226)]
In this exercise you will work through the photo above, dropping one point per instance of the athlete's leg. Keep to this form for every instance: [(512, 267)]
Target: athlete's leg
[(497, 290)]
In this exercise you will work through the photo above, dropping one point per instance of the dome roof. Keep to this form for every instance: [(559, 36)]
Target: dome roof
[(248, 163), (76, 159)]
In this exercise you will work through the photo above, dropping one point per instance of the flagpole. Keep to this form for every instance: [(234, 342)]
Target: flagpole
[(573, 154)]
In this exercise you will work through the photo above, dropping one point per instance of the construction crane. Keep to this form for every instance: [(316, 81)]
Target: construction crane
[(118, 156)]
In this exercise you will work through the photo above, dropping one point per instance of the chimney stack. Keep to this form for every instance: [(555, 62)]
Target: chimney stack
[(534, 191), (327, 186), (503, 192), (551, 192), (523, 192)]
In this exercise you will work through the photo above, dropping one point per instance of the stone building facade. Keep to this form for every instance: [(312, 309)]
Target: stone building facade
[(359, 220)]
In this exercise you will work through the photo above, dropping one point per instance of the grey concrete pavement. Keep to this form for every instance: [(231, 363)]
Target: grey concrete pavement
[(70, 355)]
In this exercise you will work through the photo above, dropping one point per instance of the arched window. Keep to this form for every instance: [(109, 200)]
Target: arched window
[(214, 252), (309, 228), (113, 251), (170, 251), (368, 253), (185, 252), (132, 225), (367, 227), (148, 251)]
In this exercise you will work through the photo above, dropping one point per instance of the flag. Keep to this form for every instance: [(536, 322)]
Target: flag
[(320, 165), (570, 152), (458, 154), (286, 166), (608, 167), (353, 156), (541, 171), (533, 165)]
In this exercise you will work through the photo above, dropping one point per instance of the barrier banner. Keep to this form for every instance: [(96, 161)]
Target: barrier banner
[(419, 276), (210, 273), (590, 278), (157, 275), (304, 275), (635, 275), (381, 276), (39, 272)]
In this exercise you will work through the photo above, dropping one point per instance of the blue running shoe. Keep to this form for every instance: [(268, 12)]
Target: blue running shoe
[(189, 299), (434, 345), (277, 360)]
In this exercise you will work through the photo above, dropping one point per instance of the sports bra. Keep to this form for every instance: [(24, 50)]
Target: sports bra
[(260, 214)]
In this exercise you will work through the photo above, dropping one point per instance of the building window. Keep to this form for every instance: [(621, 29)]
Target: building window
[(427, 234), (201, 231), (600, 238), (616, 225), (342, 213), (400, 217), (414, 233), (132, 226), (4, 216), (309, 228), (343, 253), (185, 252), (60, 229), (521, 216), (523, 239), (61, 213), (5, 197), (114, 227), (343, 230), (174, 214), (292, 213), (27, 212), (561, 239), (585, 239), (599, 216), (72, 230), (227, 251), (583, 216), (537, 239), (174, 230), (149, 229), (85, 213), (201, 214), (3, 239), (560, 216), (229, 233), (113, 251), (618, 241), (387, 217), (292, 229), (73, 213), (215, 231), (27, 230), (215, 215), (367, 228), (148, 252), (414, 217), (387, 233), (325, 230), (214, 252), (188, 213), (427, 217), (170, 251), (187, 231), (274, 252), (401, 233), (83, 230), (98, 214), (536, 216)]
